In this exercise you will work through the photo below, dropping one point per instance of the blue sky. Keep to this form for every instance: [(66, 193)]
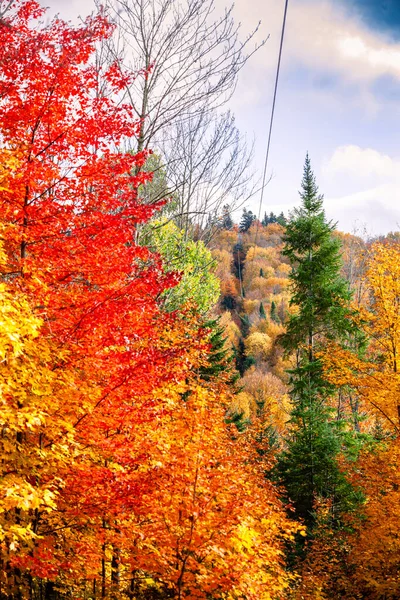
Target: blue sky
[(338, 99), (379, 15)]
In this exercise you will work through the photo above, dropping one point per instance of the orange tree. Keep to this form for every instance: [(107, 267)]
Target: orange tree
[(69, 213)]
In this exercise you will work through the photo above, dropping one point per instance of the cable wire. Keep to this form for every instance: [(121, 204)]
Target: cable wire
[(271, 121)]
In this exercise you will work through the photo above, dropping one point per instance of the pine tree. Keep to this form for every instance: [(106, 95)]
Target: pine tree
[(262, 311), (308, 466), (220, 358), (261, 272)]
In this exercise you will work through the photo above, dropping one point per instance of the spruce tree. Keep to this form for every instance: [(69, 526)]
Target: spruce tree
[(262, 311), (220, 358), (309, 467)]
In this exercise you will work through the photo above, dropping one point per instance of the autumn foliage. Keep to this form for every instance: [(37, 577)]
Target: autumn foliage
[(120, 475), (351, 549), (132, 464)]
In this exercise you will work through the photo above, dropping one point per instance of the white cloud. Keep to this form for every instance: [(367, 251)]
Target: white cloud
[(380, 58), (378, 207), (361, 163), (378, 203), (321, 35)]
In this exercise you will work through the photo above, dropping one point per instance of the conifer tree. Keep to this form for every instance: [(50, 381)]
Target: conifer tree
[(308, 466), (220, 358), (262, 311)]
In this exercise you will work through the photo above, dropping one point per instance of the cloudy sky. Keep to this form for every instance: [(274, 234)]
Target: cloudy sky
[(338, 99)]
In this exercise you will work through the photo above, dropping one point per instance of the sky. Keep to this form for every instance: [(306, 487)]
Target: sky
[(338, 99)]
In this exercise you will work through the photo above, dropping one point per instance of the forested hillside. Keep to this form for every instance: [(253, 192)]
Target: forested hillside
[(190, 408), (312, 315)]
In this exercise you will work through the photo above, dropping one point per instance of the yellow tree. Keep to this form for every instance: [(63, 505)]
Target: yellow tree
[(376, 376), (364, 559), (36, 442)]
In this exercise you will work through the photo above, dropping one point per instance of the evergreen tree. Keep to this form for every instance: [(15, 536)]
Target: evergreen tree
[(308, 467), (273, 218), (219, 365), (246, 220), (262, 311), (261, 272)]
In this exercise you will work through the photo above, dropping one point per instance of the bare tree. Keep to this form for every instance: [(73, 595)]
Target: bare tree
[(191, 58), (209, 166)]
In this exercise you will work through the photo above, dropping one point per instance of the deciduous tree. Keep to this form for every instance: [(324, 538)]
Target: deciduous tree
[(192, 59), (115, 451)]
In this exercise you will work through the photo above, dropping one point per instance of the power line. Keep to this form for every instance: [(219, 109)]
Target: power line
[(271, 120)]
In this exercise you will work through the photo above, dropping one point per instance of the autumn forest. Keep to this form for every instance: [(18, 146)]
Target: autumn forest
[(191, 408)]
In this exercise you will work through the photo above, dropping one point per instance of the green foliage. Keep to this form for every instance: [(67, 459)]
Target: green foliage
[(220, 357), (245, 325), (265, 220), (248, 362), (192, 259), (243, 361), (273, 218), (239, 420), (157, 189), (309, 466), (281, 220), (267, 440), (318, 289), (262, 311)]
